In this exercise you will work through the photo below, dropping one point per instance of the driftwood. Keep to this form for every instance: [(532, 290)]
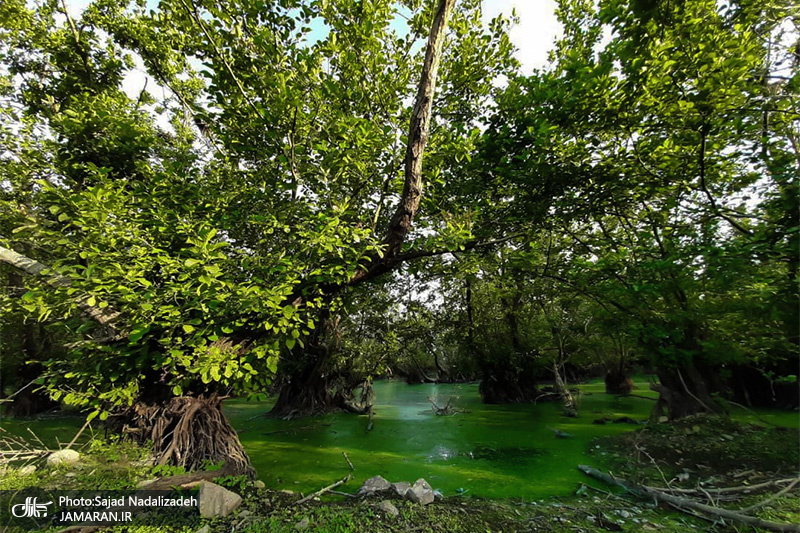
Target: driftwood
[(685, 503), (448, 409)]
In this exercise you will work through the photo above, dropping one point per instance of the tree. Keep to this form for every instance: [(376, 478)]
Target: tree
[(222, 242), (660, 155)]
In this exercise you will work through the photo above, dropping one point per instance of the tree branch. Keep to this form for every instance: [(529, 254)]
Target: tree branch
[(401, 222), (105, 317)]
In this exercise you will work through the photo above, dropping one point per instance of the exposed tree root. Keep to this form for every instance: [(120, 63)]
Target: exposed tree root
[(189, 431)]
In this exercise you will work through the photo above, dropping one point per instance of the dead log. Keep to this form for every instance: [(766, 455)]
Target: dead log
[(681, 503)]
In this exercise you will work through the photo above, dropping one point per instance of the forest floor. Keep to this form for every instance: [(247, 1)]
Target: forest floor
[(702, 453)]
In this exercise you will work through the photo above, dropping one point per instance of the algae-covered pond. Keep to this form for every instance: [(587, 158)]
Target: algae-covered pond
[(492, 451)]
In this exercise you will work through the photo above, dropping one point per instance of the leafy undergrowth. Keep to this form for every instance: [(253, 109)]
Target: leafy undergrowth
[(698, 452)]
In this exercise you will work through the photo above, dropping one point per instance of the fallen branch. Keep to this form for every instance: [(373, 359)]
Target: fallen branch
[(743, 488), (320, 492), (677, 501), (770, 499)]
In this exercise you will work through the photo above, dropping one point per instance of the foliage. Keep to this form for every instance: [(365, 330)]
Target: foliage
[(217, 219)]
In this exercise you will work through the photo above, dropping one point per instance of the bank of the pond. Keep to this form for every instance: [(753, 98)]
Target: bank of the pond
[(696, 452)]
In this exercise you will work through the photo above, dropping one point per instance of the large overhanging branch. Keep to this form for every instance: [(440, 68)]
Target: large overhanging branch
[(466, 247), (103, 316), (402, 220)]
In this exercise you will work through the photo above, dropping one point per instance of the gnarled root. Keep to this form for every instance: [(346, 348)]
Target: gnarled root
[(188, 431)]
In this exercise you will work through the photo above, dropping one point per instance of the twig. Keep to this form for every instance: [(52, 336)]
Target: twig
[(608, 494), (772, 498), (340, 493), (637, 396), (753, 413), (743, 488), (35, 436), (78, 434), (320, 492), (348, 461), (642, 450), (707, 408)]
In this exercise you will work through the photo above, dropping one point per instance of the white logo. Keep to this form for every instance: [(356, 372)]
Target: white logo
[(30, 509)]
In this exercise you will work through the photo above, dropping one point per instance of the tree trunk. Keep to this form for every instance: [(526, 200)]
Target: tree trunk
[(305, 384), (682, 392), (570, 405), (618, 382)]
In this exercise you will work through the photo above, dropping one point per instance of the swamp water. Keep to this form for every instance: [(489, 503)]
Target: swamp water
[(492, 451)]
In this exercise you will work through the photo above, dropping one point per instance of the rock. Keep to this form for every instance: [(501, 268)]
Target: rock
[(420, 493), (27, 470), (663, 419), (401, 488), (388, 507), (205, 529), (287, 492), (145, 482), (373, 485), (259, 484), (66, 457), (213, 500), (438, 496), (302, 524)]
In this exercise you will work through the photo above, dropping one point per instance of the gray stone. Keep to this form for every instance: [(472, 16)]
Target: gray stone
[(213, 500), (27, 470), (259, 484), (205, 529), (145, 482), (373, 485), (388, 507), (302, 524), (401, 488), (421, 493), (65, 457)]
